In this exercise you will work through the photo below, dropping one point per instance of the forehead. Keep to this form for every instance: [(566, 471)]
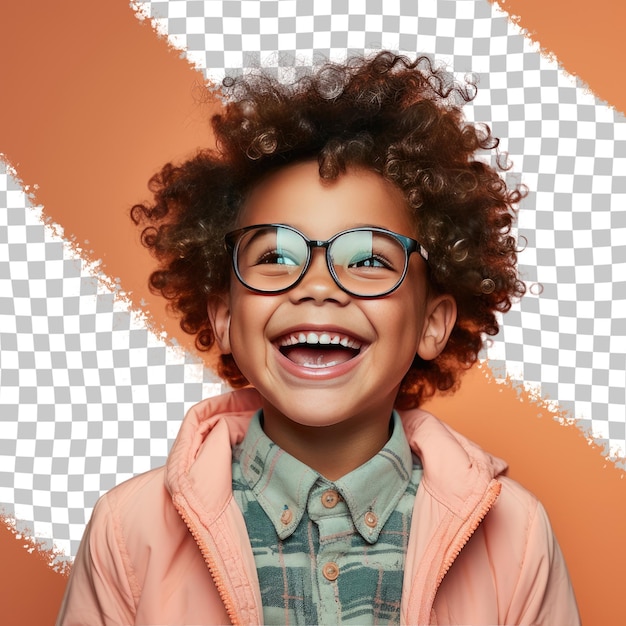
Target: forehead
[(296, 195)]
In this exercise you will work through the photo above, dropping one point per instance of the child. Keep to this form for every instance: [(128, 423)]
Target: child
[(346, 252)]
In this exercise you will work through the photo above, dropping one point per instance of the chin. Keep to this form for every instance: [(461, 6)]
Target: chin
[(312, 410)]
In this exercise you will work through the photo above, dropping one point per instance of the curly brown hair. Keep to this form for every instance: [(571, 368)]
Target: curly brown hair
[(395, 116)]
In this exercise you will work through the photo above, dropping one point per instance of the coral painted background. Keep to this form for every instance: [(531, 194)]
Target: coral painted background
[(93, 102)]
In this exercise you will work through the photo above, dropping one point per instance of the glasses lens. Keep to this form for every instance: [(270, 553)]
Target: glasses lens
[(270, 258), (368, 262)]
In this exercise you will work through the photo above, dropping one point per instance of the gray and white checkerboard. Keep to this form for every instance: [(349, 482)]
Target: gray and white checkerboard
[(88, 396), (567, 338)]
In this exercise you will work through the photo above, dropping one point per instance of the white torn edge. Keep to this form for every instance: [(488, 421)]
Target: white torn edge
[(613, 452), (38, 534), (533, 45), (196, 58), (55, 557)]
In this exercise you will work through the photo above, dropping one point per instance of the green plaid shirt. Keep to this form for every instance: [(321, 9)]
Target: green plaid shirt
[(327, 552)]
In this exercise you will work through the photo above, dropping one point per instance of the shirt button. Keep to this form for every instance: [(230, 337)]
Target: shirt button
[(330, 498), (330, 571), (286, 517), (371, 519)]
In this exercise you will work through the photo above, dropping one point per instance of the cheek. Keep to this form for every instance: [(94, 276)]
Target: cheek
[(402, 323), (249, 315)]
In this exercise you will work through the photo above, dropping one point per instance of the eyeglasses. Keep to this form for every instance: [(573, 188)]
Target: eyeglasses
[(364, 262)]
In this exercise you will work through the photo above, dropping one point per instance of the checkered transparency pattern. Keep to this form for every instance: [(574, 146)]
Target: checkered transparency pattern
[(567, 338), (88, 395)]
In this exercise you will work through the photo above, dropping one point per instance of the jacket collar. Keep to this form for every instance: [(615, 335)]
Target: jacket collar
[(456, 471)]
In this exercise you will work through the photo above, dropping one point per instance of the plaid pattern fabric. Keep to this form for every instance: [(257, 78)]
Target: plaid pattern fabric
[(327, 552)]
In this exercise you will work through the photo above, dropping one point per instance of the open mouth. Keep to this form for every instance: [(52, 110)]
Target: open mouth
[(319, 350)]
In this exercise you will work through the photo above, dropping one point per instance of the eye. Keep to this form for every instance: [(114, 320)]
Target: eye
[(371, 261), (277, 257)]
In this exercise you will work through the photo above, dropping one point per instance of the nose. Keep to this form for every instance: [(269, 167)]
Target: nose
[(317, 284)]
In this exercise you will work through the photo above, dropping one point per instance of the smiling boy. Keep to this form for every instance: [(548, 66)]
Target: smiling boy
[(346, 253), (330, 406)]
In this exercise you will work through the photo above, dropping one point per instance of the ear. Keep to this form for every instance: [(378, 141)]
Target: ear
[(438, 324), (218, 309)]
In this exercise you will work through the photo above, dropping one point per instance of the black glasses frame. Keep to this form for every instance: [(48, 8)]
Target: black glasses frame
[(233, 239)]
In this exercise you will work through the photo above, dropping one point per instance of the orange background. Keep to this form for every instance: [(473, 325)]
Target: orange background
[(94, 103)]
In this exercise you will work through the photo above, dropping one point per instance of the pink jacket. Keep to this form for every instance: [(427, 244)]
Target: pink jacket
[(170, 546)]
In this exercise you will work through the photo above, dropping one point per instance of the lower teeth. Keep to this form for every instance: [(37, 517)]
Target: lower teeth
[(317, 359), (319, 363)]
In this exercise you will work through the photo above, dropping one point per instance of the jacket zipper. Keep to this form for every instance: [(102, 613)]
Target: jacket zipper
[(491, 495), (213, 569)]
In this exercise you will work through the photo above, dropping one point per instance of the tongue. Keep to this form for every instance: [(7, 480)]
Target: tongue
[(315, 356)]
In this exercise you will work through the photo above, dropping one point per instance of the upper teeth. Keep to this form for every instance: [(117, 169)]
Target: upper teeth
[(320, 338)]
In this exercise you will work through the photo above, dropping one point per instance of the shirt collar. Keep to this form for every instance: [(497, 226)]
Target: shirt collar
[(282, 484)]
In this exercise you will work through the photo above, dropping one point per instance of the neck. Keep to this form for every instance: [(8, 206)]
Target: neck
[(334, 450)]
